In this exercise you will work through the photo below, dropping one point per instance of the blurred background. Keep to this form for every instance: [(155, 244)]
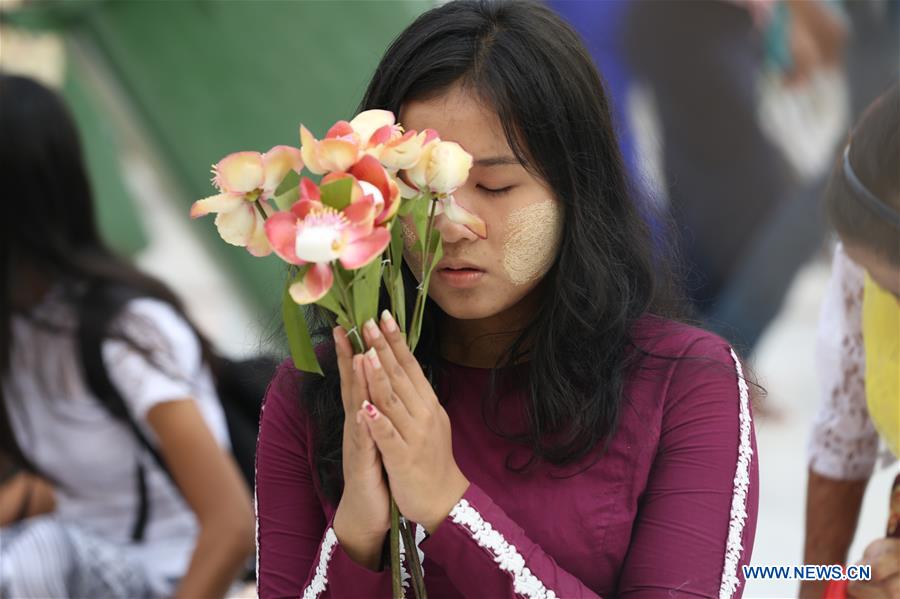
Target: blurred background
[(730, 115)]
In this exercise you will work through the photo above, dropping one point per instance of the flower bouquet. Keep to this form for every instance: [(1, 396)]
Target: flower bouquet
[(342, 237)]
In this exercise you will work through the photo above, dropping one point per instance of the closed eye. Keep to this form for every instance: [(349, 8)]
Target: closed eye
[(498, 191)]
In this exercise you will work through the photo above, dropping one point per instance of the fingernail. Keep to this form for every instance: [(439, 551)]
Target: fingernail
[(390, 325), (358, 419), (372, 355), (370, 409), (353, 363), (372, 329)]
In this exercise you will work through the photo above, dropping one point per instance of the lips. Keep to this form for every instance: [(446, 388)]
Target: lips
[(457, 266)]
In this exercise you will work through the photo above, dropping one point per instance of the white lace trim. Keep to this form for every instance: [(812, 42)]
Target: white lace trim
[(505, 554), (255, 499), (405, 576), (419, 534), (734, 547), (256, 522), (320, 580)]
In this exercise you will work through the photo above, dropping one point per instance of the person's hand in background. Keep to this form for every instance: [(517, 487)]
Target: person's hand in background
[(818, 37), (884, 557), (23, 495)]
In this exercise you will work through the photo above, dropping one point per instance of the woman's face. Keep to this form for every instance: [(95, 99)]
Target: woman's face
[(524, 219)]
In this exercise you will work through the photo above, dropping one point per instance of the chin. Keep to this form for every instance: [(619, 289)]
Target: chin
[(464, 306)]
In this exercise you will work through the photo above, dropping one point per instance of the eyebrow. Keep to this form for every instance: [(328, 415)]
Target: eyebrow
[(496, 161)]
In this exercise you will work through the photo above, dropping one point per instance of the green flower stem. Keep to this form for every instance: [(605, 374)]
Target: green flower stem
[(396, 582), (419, 310), (260, 209), (356, 339), (412, 553)]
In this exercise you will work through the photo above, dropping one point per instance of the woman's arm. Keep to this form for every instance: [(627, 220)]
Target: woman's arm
[(23, 495), (298, 552), (486, 554), (483, 551), (832, 512), (697, 515), (162, 388), (210, 482), (843, 445)]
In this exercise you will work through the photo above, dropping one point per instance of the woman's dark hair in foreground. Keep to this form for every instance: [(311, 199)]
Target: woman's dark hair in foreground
[(50, 238), (526, 63), (874, 154)]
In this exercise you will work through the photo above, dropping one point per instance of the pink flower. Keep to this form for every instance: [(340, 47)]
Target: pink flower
[(243, 178), (394, 149), (338, 151), (366, 123), (459, 215), (442, 168), (313, 233), (386, 140), (375, 181)]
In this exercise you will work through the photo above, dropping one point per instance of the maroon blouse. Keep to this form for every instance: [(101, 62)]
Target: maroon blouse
[(670, 507)]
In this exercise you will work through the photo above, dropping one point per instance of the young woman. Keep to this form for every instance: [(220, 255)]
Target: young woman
[(80, 327), (554, 435), (858, 350)]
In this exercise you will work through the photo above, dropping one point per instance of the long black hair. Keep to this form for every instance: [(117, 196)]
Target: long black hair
[(874, 151), (534, 71), (50, 238)]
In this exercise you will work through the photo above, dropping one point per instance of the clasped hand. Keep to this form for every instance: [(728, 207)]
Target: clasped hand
[(409, 427)]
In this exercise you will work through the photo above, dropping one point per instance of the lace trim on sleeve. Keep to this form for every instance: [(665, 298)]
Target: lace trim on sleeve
[(505, 554), (734, 545), (320, 580)]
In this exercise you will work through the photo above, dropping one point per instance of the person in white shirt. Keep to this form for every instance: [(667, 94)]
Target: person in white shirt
[(148, 500), (858, 353)]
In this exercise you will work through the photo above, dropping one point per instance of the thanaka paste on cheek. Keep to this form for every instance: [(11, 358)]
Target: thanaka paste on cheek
[(532, 240), (411, 253), (409, 235)]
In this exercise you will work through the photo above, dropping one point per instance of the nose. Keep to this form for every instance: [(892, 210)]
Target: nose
[(452, 232)]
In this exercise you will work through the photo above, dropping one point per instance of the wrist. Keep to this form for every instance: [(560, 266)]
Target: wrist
[(454, 494), (364, 549)]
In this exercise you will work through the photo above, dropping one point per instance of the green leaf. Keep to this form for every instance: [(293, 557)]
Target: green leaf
[(399, 302), (337, 193), (407, 204), (298, 332), (331, 303), (394, 276), (364, 291), (291, 180), (437, 251), (285, 200), (420, 217)]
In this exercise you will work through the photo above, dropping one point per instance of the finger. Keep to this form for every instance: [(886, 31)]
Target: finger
[(394, 373), (344, 353), (362, 438), (382, 394), (885, 565), (864, 590), (882, 556), (404, 357), (359, 388), (406, 363), (386, 437)]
